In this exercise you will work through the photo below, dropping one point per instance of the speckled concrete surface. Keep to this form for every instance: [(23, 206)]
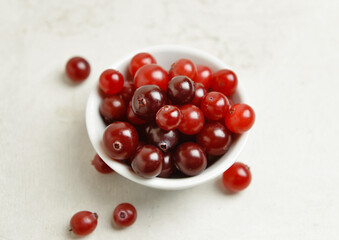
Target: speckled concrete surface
[(285, 53)]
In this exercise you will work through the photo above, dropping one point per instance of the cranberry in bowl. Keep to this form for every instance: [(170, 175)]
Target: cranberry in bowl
[(165, 56)]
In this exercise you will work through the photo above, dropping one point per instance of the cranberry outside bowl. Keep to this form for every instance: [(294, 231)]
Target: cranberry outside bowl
[(165, 56)]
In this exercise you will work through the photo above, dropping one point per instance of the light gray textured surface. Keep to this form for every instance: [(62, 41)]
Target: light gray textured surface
[(285, 52)]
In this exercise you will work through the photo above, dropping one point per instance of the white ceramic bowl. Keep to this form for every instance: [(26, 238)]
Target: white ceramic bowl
[(165, 55)]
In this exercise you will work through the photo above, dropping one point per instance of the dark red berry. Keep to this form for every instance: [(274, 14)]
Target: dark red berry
[(168, 117), (140, 60), (127, 91), (204, 76), (164, 140), (180, 90), (147, 100), (224, 81), (124, 215), (147, 161), (237, 177), (120, 140), (112, 109), (200, 92), (83, 223), (190, 159), (214, 138), (240, 118), (111, 81), (168, 166), (192, 120), (214, 106), (183, 67), (132, 118), (151, 74), (77, 69), (100, 165)]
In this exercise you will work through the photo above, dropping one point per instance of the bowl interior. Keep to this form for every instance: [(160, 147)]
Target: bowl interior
[(165, 55)]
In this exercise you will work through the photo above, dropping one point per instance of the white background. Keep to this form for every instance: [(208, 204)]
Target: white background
[(286, 53)]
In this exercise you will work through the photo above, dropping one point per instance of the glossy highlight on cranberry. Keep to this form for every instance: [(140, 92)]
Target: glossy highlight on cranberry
[(120, 140), (83, 223), (124, 215), (237, 177), (77, 69), (204, 76)]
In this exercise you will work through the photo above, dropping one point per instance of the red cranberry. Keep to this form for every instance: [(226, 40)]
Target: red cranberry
[(214, 105), (192, 120), (180, 90), (168, 117), (83, 223), (183, 67), (147, 100), (190, 159), (204, 76), (140, 60), (237, 177), (151, 74), (240, 118), (214, 138), (224, 81), (147, 161), (111, 82), (164, 140), (112, 109), (120, 140), (124, 215), (77, 69)]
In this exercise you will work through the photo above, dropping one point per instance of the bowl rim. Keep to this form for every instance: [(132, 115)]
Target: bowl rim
[(166, 183)]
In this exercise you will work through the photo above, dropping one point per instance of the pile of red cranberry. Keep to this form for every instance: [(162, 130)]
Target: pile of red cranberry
[(160, 122), (173, 121)]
